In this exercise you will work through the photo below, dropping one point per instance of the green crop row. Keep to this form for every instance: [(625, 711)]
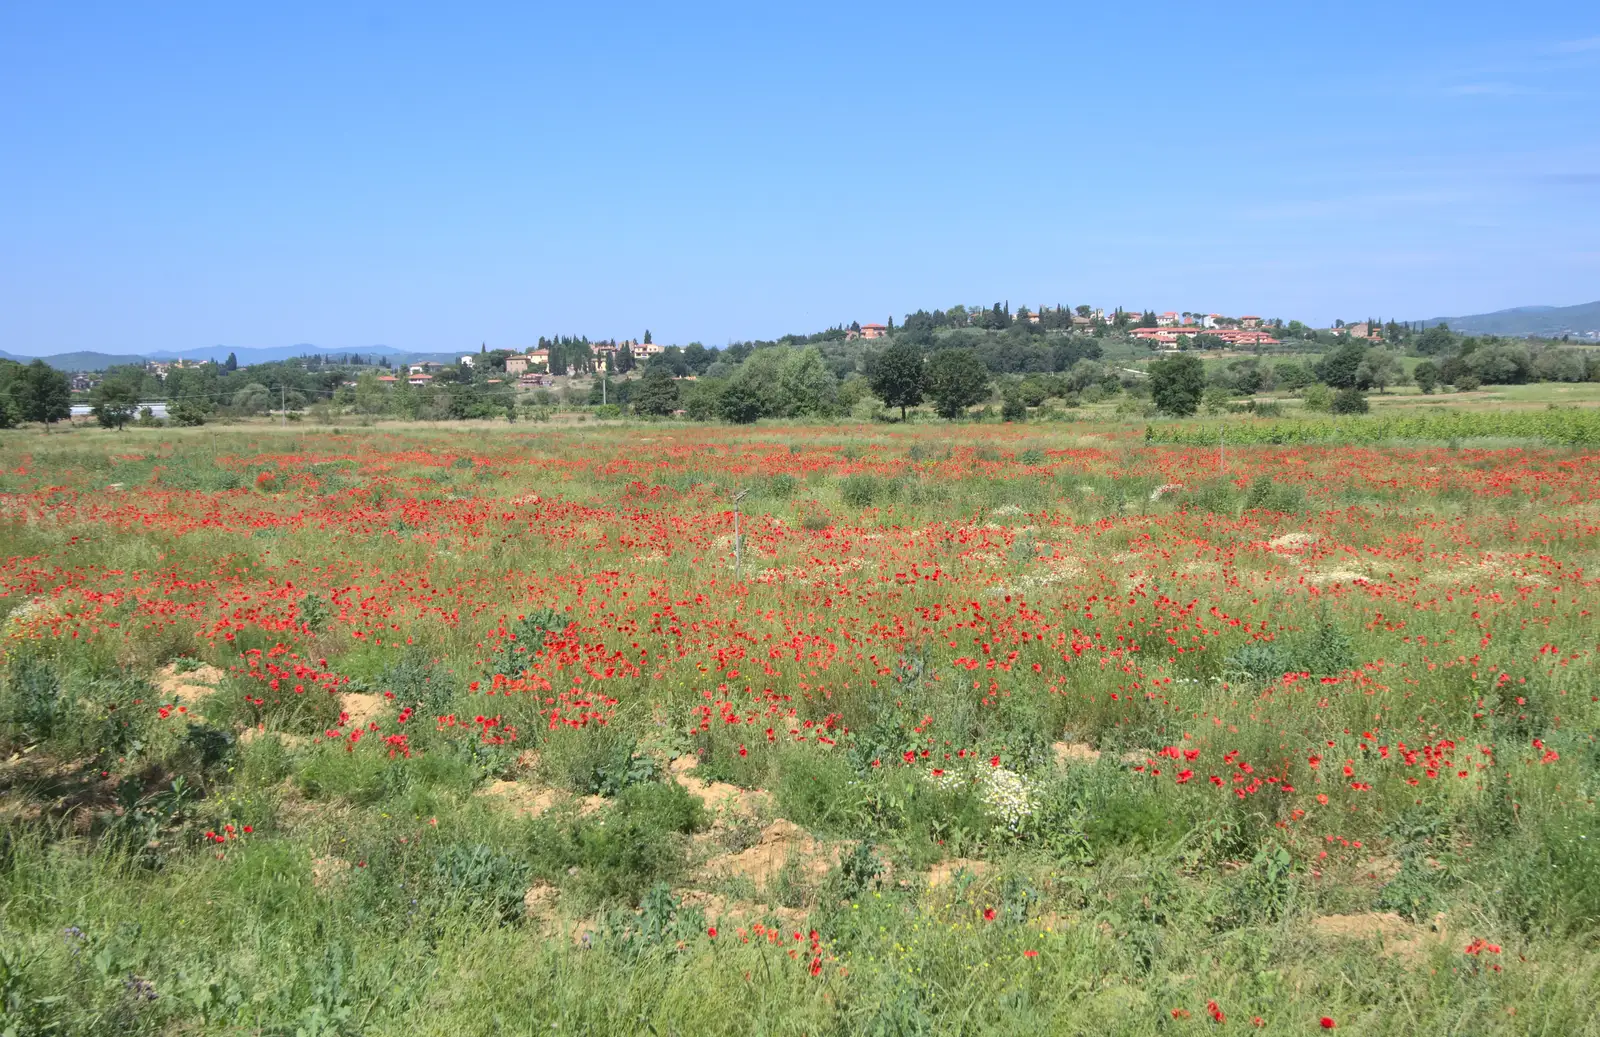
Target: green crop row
[(1565, 426)]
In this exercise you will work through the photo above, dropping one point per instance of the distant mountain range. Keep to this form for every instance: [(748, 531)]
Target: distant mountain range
[(1545, 321), (88, 360)]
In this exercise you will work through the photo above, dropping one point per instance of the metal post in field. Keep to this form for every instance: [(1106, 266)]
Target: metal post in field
[(738, 538)]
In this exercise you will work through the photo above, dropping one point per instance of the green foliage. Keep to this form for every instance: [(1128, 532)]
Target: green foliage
[(1562, 425), (861, 490), (1349, 401), (1267, 494), (482, 875), (1013, 408), (739, 403), (895, 376), (115, 402), (956, 379), (1426, 375), (657, 394), (1177, 383), (33, 702)]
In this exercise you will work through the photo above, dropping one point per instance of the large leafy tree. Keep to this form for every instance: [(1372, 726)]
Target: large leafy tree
[(895, 376), (1342, 367), (956, 380), (740, 403), (657, 392), (41, 394), (1177, 383), (809, 388), (116, 400)]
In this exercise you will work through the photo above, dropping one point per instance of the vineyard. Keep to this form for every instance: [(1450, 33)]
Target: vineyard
[(801, 730)]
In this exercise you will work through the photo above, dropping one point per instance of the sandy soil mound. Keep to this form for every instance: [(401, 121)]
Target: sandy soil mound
[(723, 800), (193, 686), (1394, 935), (1067, 753), (780, 841), (362, 708), (529, 801)]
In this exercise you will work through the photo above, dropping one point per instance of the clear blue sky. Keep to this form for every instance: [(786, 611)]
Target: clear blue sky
[(435, 176)]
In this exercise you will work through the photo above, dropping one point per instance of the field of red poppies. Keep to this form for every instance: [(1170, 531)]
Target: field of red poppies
[(886, 730)]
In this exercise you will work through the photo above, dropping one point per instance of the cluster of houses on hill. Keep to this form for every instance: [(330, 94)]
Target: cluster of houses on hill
[(531, 369)]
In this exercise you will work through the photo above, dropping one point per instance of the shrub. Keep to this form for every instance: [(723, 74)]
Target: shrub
[(1349, 401), (1265, 494), (859, 491), (1013, 408)]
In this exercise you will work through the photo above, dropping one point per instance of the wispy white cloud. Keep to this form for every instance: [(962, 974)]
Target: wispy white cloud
[(1579, 46)]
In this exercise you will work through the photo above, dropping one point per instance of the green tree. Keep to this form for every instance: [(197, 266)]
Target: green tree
[(231, 364), (191, 393), (956, 380), (1013, 407), (1293, 376), (657, 393), (43, 395), (895, 376), (254, 398), (1177, 383), (1379, 369), (1426, 375), (1436, 341), (809, 387), (1342, 367), (739, 403), (116, 400)]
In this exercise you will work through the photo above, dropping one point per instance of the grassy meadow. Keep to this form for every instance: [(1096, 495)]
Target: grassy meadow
[(1011, 729)]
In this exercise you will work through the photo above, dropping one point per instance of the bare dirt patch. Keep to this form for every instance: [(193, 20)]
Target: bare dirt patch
[(528, 801), (1393, 934), (945, 872), (721, 911), (1067, 753), (328, 871), (726, 802), (190, 687), (1292, 542), (361, 708), (289, 740), (780, 842), (1336, 576)]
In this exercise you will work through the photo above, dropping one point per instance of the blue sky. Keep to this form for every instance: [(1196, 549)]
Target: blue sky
[(435, 176)]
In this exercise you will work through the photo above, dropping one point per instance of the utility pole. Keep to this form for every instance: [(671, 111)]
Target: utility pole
[(738, 538), (283, 406)]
